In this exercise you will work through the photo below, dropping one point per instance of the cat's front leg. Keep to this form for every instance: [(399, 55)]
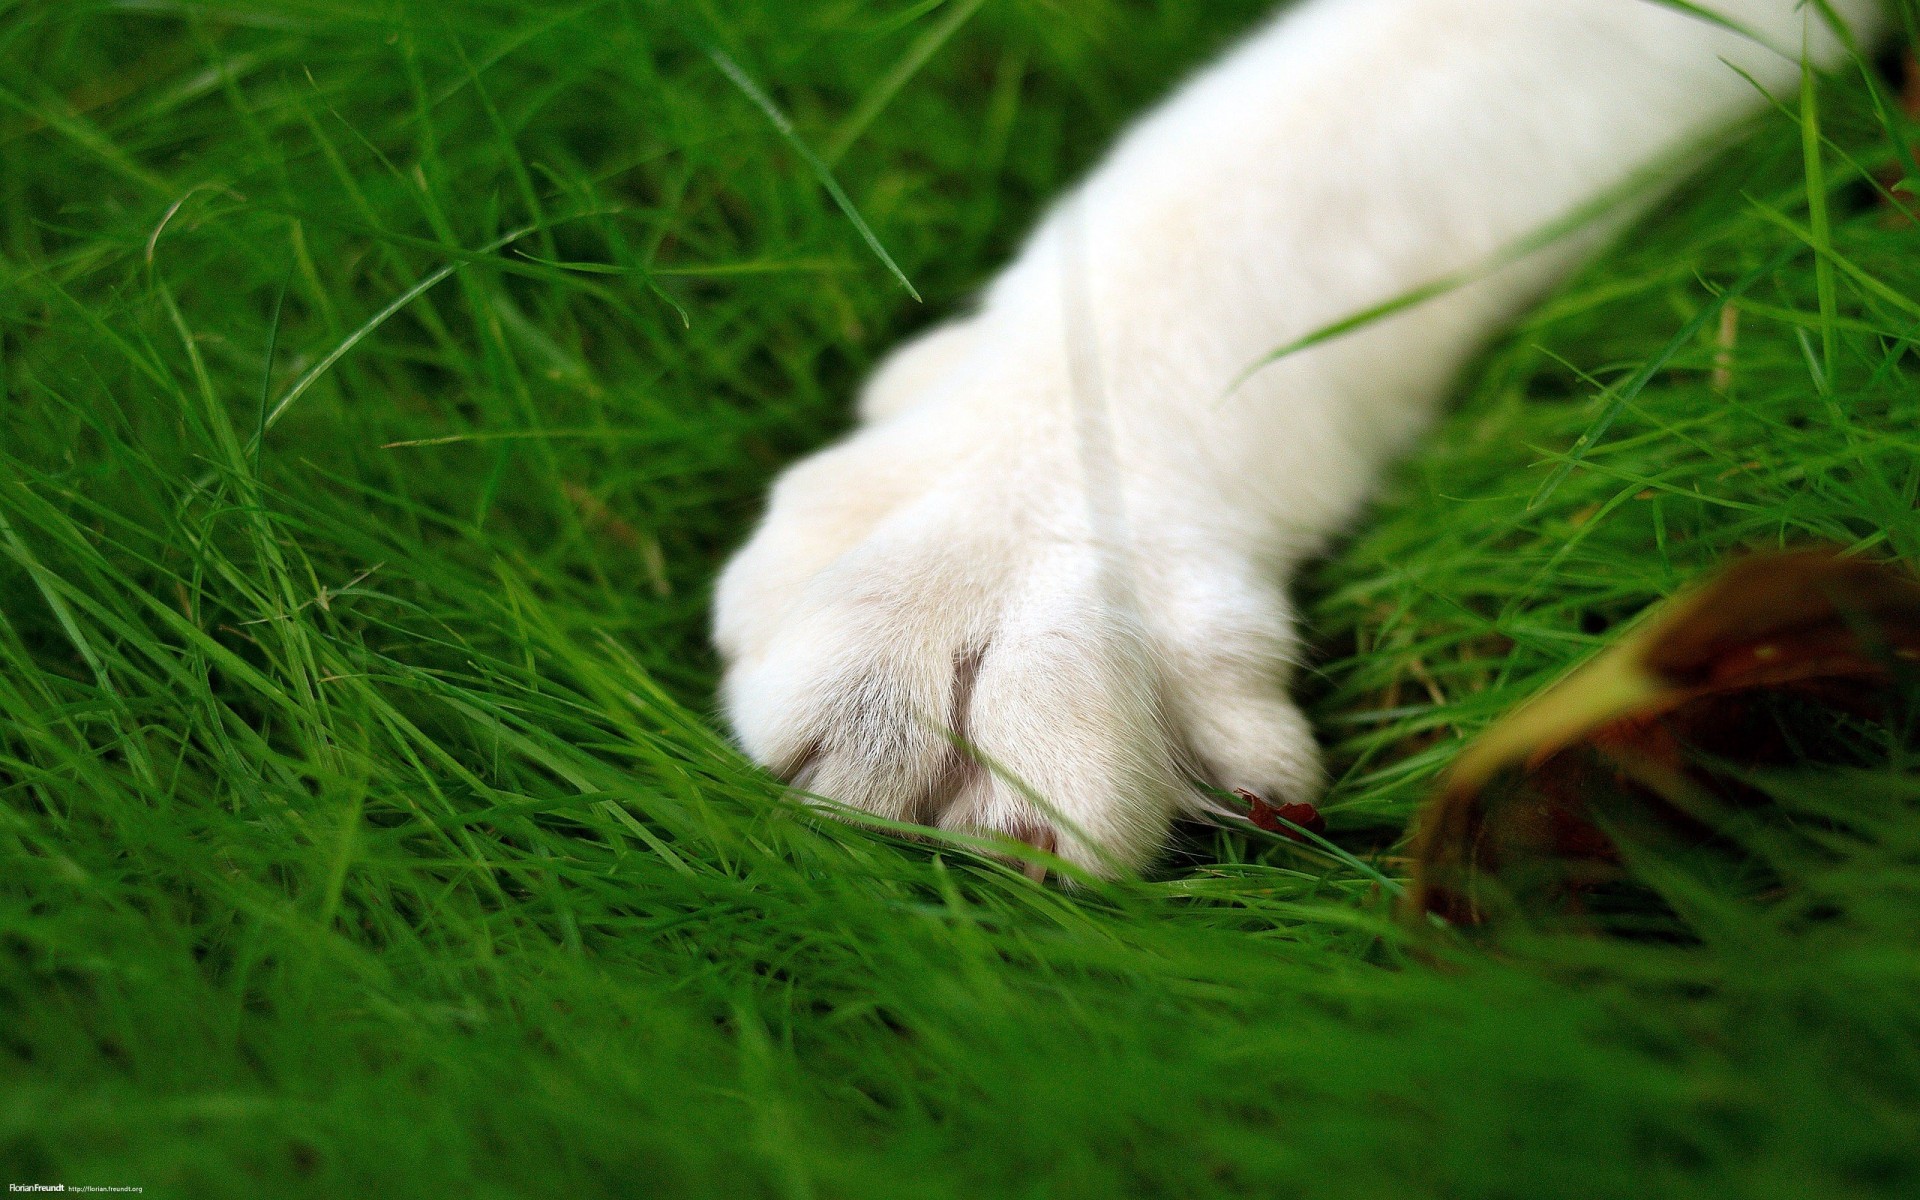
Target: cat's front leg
[(1039, 593)]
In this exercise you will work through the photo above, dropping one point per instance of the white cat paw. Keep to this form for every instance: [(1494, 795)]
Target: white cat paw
[(924, 628)]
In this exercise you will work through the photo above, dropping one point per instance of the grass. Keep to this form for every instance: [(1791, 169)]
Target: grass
[(366, 829)]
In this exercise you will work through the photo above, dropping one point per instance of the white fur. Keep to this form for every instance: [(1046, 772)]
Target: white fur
[(1039, 592)]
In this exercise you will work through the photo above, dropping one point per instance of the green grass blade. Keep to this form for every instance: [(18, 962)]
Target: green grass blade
[(784, 128)]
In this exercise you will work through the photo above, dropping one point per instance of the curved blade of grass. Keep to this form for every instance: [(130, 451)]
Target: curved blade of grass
[(313, 374), (785, 129), (1635, 383), (125, 724), (1848, 267), (1711, 17), (1817, 223), (876, 100), (1361, 319), (1635, 186), (756, 266), (266, 371)]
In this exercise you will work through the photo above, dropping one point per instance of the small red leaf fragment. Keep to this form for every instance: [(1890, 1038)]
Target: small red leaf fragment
[(1274, 820)]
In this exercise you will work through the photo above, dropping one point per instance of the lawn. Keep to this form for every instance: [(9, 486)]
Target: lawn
[(385, 383)]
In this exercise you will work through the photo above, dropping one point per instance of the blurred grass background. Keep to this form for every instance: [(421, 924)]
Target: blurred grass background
[(384, 383)]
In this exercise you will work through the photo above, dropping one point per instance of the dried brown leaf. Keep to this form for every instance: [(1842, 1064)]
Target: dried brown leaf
[(1520, 813)]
